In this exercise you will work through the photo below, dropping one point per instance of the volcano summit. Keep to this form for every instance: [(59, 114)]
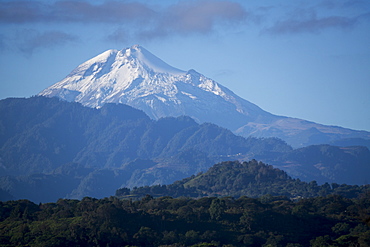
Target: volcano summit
[(135, 77)]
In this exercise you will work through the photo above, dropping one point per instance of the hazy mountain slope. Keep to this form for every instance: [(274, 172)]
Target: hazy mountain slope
[(325, 163), (41, 135), (136, 77), (5, 196), (51, 148), (351, 142), (298, 132)]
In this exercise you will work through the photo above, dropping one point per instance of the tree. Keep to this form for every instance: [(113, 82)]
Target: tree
[(321, 241), (122, 192), (216, 209), (191, 237), (247, 220), (146, 236)]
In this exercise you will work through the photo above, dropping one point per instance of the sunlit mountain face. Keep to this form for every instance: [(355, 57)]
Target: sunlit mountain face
[(136, 77)]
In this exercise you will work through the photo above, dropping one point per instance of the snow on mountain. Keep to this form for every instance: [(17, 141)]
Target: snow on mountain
[(138, 78)]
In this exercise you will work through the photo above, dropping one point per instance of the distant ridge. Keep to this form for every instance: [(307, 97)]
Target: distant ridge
[(136, 77), (52, 149)]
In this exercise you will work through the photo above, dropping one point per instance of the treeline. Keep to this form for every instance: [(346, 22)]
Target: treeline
[(209, 221), (252, 179)]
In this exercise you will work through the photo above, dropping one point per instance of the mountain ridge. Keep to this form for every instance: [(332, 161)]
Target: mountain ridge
[(51, 149), (136, 77)]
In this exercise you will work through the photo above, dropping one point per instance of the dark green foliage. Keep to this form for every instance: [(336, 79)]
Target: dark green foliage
[(252, 179), (207, 221)]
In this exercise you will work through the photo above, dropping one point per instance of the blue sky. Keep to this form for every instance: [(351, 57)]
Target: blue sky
[(304, 59)]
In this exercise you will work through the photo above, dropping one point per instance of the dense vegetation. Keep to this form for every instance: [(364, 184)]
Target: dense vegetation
[(209, 221), (252, 179)]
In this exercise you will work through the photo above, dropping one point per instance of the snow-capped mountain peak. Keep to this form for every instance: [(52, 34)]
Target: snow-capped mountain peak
[(151, 62), (136, 77)]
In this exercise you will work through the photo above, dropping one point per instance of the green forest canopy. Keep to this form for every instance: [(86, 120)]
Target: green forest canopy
[(208, 221)]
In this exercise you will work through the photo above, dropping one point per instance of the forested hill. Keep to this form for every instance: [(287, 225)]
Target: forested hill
[(38, 135), (252, 179), (52, 149)]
